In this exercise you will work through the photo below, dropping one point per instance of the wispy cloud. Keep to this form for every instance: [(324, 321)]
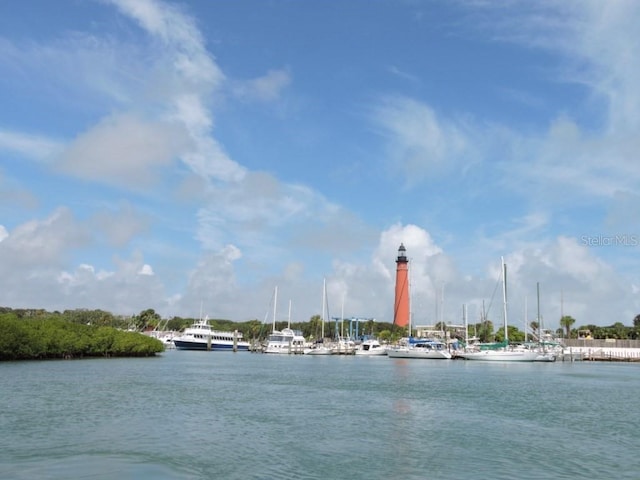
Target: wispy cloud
[(423, 144), (123, 150), (402, 74), (34, 147), (595, 44), (266, 88)]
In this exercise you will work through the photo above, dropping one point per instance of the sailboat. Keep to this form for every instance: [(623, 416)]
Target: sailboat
[(545, 352), (321, 348), (504, 353), (287, 340)]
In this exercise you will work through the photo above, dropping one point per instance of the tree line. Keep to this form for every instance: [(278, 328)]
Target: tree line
[(48, 336)]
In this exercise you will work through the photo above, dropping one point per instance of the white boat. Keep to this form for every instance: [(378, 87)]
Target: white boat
[(370, 348), (506, 352), (320, 347), (166, 337), (502, 355), (344, 346), (285, 341), (427, 348), (200, 336), (546, 356)]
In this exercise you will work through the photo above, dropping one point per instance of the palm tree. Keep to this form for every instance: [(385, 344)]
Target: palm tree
[(566, 321)]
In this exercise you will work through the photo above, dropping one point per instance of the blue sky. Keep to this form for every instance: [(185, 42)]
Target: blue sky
[(166, 155)]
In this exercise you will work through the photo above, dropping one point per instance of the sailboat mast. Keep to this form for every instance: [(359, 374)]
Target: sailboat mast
[(275, 302), (466, 326), (504, 296), (342, 318), (324, 302), (539, 319), (525, 319), (540, 338)]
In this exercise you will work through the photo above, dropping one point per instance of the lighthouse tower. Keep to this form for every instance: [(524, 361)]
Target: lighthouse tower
[(401, 306)]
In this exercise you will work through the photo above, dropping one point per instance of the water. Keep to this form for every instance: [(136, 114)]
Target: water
[(195, 415)]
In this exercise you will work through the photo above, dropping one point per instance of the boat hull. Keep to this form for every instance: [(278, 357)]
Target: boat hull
[(319, 351), (502, 356), (427, 349), (214, 346), (375, 352), (418, 353)]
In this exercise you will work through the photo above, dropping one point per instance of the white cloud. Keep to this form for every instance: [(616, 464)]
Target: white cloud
[(120, 225), (575, 164), (42, 244), (3, 233), (258, 204), (193, 74), (266, 88), (146, 270), (402, 74), (179, 33), (595, 44), (34, 147), (573, 280), (129, 287), (124, 150), (421, 144)]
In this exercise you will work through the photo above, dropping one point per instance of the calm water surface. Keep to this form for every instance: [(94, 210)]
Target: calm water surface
[(195, 415)]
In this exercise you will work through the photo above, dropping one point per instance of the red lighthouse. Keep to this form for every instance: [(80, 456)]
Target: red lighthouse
[(401, 306)]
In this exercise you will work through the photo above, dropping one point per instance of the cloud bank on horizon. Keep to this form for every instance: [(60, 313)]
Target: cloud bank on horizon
[(156, 154)]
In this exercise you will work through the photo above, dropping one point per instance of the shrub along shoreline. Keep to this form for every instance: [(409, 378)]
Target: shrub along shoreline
[(56, 338)]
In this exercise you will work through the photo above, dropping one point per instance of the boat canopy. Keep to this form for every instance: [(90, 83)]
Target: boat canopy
[(493, 346)]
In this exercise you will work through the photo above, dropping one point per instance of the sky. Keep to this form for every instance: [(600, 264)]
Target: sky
[(192, 156)]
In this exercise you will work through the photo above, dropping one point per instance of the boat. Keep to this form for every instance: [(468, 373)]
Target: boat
[(286, 340), (421, 348), (371, 348), (546, 356), (504, 352), (165, 336), (344, 346), (200, 336), (320, 347), (549, 347)]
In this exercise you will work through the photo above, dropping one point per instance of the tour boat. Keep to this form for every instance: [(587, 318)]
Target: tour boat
[(200, 336)]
